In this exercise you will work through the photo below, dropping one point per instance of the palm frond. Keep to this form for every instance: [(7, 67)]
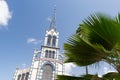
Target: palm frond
[(66, 77), (111, 76), (102, 30), (118, 18), (81, 52)]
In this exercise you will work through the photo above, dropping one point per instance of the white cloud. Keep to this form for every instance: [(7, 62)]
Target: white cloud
[(5, 14), (106, 70), (68, 67), (49, 19), (33, 41)]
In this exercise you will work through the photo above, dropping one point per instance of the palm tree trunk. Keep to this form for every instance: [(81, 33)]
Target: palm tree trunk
[(86, 67)]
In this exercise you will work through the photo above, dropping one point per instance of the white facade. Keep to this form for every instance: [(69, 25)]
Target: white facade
[(47, 62)]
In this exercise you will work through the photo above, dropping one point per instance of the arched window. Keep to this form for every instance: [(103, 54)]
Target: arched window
[(19, 77), (50, 54), (47, 72), (23, 76), (53, 54), (49, 40), (46, 54), (54, 41), (27, 74)]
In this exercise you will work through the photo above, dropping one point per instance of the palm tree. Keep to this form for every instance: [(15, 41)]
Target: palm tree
[(100, 41), (80, 31), (84, 77)]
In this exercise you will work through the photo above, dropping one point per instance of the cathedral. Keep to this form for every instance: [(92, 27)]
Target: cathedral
[(47, 62)]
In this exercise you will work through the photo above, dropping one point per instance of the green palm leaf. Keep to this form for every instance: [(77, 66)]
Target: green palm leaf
[(82, 52), (84, 77), (112, 76), (66, 77), (103, 30), (97, 39)]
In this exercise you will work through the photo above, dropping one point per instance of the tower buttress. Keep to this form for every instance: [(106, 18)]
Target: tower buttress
[(15, 74)]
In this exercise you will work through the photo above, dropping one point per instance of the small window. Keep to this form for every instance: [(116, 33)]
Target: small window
[(46, 54), (23, 76), (49, 40), (50, 54), (53, 54), (27, 75), (19, 77), (54, 41)]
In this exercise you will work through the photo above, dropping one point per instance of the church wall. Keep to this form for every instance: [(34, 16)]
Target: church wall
[(60, 67), (35, 64), (21, 72), (33, 75), (34, 70)]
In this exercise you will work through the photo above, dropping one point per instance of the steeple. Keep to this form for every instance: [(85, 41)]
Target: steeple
[(47, 62), (53, 21)]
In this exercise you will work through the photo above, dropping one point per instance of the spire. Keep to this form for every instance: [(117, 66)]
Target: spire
[(53, 21)]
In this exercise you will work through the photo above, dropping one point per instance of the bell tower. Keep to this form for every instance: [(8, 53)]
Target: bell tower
[(51, 37), (47, 62)]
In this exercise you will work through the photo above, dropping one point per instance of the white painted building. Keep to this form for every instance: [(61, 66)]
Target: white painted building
[(47, 62)]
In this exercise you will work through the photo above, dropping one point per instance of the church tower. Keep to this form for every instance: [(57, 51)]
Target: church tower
[(47, 62)]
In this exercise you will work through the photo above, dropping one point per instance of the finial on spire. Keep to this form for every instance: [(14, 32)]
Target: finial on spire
[(53, 21)]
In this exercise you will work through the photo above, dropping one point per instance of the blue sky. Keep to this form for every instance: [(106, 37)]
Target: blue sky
[(23, 24)]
